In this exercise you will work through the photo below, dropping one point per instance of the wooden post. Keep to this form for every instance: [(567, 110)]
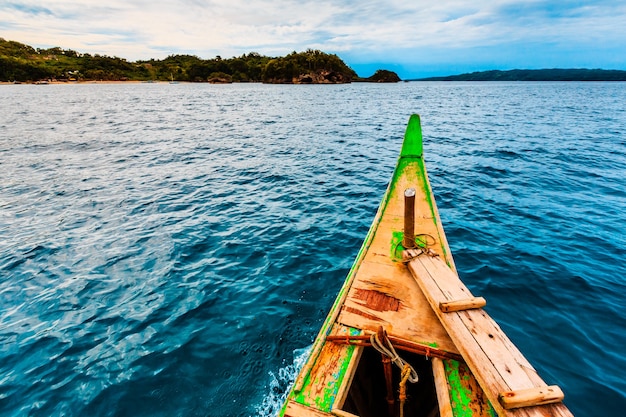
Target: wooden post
[(408, 240)]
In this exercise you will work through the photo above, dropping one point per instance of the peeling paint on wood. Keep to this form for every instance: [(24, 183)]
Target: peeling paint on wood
[(361, 313), (377, 300), (466, 396)]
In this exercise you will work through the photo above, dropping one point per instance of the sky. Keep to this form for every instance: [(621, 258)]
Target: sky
[(414, 38)]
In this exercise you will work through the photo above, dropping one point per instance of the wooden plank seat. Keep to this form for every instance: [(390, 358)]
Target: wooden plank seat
[(510, 383)]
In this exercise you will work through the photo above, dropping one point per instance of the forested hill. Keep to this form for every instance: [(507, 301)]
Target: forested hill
[(23, 63), (554, 74)]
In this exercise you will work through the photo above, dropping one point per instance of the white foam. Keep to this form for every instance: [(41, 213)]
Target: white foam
[(280, 385)]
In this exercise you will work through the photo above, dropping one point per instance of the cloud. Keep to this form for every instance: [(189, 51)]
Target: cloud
[(29, 9), (397, 31)]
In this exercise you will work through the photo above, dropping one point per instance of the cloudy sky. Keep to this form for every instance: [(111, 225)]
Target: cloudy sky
[(414, 38)]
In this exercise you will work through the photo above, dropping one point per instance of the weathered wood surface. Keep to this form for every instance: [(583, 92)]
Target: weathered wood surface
[(342, 393), (467, 398), (442, 388), (495, 362), (295, 409), (530, 397), (387, 295), (383, 292), (460, 305), (340, 413), (333, 367), (399, 344)]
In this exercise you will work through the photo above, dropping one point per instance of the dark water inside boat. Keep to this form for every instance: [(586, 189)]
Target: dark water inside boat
[(166, 250)]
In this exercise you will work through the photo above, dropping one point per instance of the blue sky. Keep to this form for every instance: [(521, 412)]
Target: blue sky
[(414, 38)]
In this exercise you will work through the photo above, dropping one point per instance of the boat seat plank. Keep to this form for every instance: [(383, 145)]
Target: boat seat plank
[(495, 362)]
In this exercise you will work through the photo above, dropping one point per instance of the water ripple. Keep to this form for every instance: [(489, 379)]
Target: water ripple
[(164, 250)]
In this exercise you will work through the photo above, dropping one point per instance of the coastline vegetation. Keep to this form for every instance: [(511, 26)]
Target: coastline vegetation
[(23, 63)]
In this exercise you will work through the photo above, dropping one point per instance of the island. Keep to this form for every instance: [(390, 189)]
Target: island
[(23, 63)]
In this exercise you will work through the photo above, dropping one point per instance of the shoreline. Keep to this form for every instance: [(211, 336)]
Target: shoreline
[(43, 82), (56, 82)]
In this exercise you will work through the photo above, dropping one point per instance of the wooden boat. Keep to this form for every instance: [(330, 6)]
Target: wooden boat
[(404, 298)]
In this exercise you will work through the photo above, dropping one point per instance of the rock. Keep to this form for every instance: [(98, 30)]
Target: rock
[(382, 76), (322, 77)]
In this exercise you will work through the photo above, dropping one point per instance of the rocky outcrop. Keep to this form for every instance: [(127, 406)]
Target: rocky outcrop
[(220, 81), (323, 77), (220, 78), (315, 77), (382, 76)]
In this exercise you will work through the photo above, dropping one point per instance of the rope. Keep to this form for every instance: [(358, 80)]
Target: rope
[(407, 371), (424, 243), (385, 347), (405, 375), (419, 242)]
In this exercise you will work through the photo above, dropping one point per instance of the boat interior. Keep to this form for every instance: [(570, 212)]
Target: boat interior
[(367, 395)]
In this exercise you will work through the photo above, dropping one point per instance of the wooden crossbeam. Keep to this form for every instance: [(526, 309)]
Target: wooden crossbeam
[(531, 397), (460, 305)]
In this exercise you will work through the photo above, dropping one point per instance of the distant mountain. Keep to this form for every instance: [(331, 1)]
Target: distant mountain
[(554, 74)]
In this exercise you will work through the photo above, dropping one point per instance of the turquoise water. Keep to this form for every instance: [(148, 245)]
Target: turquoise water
[(168, 250)]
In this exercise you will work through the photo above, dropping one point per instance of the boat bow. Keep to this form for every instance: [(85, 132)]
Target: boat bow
[(404, 284)]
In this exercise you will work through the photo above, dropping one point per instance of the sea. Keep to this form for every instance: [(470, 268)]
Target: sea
[(173, 249)]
